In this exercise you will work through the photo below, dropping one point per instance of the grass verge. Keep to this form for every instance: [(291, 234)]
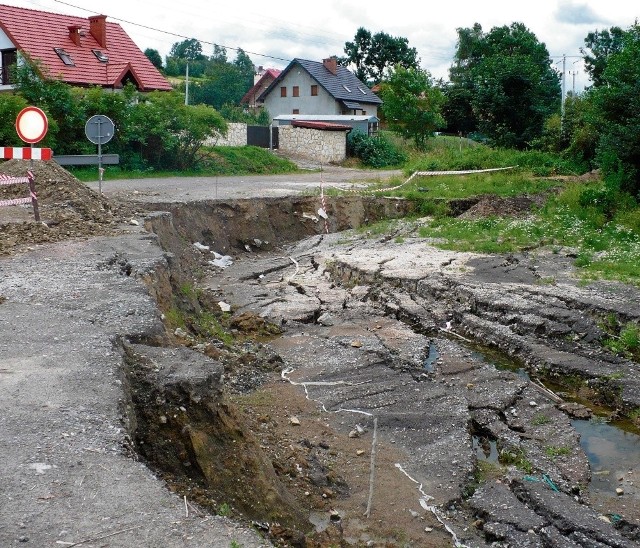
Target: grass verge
[(216, 161)]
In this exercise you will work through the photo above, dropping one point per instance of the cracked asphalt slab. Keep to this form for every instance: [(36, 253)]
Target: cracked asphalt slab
[(359, 318), (67, 477), (339, 299)]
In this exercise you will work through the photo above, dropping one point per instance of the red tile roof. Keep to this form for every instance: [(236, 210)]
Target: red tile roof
[(37, 33), (267, 77), (325, 126)]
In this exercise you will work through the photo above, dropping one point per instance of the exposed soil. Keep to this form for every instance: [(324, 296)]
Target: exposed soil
[(336, 466), (68, 208), (322, 459), (518, 206)]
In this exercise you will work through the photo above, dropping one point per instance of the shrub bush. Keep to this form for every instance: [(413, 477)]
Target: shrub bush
[(375, 151)]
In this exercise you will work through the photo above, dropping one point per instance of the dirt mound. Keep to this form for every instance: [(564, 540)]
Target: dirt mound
[(68, 208), (490, 206)]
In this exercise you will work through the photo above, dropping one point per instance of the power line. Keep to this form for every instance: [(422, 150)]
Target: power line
[(176, 34)]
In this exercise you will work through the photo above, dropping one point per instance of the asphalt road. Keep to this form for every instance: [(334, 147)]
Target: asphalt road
[(186, 189)]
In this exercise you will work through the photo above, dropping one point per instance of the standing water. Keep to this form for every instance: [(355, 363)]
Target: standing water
[(613, 450), (613, 453)]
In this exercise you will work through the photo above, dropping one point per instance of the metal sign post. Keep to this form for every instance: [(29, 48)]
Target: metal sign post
[(32, 125), (99, 130)]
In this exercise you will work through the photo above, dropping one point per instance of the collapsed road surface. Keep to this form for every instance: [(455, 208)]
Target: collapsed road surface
[(361, 319), (362, 417)]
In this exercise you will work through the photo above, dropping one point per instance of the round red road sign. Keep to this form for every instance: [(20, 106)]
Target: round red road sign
[(31, 124)]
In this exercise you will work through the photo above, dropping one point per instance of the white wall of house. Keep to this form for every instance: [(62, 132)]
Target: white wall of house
[(322, 146), (323, 103), (5, 43)]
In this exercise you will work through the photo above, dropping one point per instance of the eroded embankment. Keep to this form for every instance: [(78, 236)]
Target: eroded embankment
[(178, 417), (266, 223), (340, 288)]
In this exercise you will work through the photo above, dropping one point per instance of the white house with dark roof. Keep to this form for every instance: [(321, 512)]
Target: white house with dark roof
[(310, 87)]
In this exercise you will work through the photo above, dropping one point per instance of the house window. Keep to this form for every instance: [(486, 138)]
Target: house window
[(283, 91), (64, 57), (345, 87), (9, 59), (296, 111), (100, 56), (314, 90), (362, 91), (296, 91)]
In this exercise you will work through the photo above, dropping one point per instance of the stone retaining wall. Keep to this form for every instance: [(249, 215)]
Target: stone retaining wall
[(324, 146), (315, 144), (236, 136)]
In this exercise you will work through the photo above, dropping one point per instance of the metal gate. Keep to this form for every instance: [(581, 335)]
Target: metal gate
[(259, 136)]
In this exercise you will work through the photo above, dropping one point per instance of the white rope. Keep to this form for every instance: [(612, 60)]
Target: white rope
[(423, 502), (373, 466), (431, 174)]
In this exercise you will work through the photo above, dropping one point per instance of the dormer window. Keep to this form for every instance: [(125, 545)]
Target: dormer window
[(345, 87), (362, 91), (64, 57), (100, 56)]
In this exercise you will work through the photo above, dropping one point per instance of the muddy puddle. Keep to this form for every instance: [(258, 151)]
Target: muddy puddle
[(612, 447), (613, 454)]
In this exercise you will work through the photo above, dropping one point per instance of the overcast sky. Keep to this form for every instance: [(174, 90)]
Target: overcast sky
[(272, 33)]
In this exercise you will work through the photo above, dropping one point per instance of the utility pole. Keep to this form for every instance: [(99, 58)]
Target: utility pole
[(564, 84), (186, 90), (573, 75), (564, 77)]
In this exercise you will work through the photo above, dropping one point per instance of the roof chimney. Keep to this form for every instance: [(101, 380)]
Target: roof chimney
[(331, 64), (98, 29), (74, 34)]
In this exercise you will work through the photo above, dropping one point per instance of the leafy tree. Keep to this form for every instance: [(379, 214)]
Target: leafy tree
[(356, 53), (219, 54), (457, 110), (579, 136), (175, 66), (375, 55), (572, 134), (224, 84), (119, 108), (412, 104), (154, 56), (599, 45), (245, 67), (10, 107), (188, 52), (504, 78), (190, 49), (170, 134), (616, 113)]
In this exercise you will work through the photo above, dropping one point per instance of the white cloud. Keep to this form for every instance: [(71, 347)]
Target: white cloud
[(271, 31)]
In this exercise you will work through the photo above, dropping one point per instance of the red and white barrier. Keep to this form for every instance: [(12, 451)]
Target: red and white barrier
[(25, 153), (16, 201)]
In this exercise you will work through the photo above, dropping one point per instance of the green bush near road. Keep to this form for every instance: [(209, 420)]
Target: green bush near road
[(216, 161)]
